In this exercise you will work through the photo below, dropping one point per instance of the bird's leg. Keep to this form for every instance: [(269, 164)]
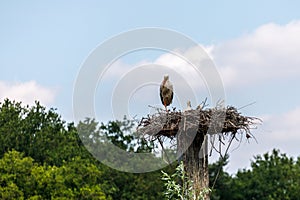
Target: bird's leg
[(166, 107)]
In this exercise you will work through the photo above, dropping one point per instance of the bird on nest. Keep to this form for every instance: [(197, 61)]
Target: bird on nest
[(188, 106), (166, 92)]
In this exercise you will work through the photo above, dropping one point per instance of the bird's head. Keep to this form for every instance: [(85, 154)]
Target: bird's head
[(188, 103), (166, 77)]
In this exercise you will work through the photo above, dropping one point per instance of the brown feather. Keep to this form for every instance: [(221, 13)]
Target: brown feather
[(166, 92)]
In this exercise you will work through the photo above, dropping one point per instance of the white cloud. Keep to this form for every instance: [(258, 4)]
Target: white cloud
[(268, 53), (170, 63), (26, 92)]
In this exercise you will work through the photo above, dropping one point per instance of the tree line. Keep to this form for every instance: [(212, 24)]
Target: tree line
[(42, 157)]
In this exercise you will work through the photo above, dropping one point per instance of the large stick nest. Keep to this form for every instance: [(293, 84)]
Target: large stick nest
[(206, 121)]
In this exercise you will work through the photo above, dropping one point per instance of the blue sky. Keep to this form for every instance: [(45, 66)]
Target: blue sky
[(254, 45)]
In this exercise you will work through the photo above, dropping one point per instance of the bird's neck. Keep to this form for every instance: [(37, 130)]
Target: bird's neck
[(164, 81)]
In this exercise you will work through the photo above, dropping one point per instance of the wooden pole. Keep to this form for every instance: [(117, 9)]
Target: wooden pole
[(192, 145)]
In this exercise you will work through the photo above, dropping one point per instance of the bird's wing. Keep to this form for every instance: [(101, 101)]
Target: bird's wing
[(172, 94), (161, 94), (170, 87)]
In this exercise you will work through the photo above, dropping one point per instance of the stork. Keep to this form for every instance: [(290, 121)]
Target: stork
[(166, 92), (188, 106)]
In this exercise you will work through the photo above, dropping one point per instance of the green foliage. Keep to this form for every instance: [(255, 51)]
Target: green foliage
[(146, 186), (42, 157), (22, 178), (15, 173), (119, 133), (219, 180), (125, 185), (272, 176), (39, 133), (179, 186), (53, 162), (11, 191)]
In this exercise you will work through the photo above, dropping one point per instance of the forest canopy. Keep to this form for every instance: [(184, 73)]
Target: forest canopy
[(42, 157)]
